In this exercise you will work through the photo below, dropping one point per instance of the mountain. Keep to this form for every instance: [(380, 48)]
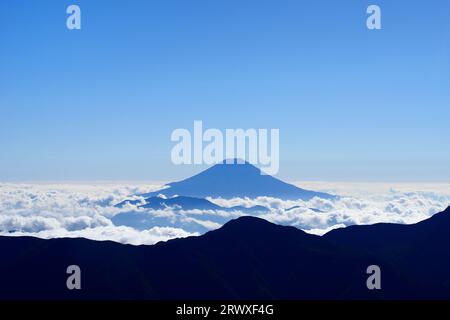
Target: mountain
[(248, 258), (421, 251), (236, 180), (220, 181), (188, 203)]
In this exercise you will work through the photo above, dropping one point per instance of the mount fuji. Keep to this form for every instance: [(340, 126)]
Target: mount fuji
[(224, 181), (235, 180)]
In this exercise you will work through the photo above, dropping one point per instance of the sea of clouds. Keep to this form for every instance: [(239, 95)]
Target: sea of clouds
[(87, 210)]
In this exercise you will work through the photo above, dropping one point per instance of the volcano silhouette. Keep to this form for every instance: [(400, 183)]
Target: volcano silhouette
[(230, 180)]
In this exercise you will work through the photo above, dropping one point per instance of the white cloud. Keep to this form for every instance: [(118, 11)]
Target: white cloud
[(76, 210), (320, 232), (361, 204), (205, 223), (27, 224), (120, 234)]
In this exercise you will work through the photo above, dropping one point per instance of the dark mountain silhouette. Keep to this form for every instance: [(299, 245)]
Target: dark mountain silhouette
[(236, 180), (420, 251), (248, 258)]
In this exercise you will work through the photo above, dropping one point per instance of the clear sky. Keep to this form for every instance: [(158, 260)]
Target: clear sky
[(100, 103)]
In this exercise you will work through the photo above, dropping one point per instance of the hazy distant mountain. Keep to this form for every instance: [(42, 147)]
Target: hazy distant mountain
[(220, 181), (247, 258), (236, 180), (188, 203), (189, 221)]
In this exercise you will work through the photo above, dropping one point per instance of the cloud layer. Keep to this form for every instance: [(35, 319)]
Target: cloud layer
[(360, 204), (76, 210)]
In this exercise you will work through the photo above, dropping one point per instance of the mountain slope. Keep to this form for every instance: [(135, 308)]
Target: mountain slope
[(236, 180)]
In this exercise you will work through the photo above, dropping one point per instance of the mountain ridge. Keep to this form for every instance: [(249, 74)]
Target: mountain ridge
[(248, 258), (187, 203)]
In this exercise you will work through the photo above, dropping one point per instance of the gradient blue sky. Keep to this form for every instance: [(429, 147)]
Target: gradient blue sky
[(101, 103)]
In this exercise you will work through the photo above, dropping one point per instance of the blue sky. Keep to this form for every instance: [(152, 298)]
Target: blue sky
[(100, 103)]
